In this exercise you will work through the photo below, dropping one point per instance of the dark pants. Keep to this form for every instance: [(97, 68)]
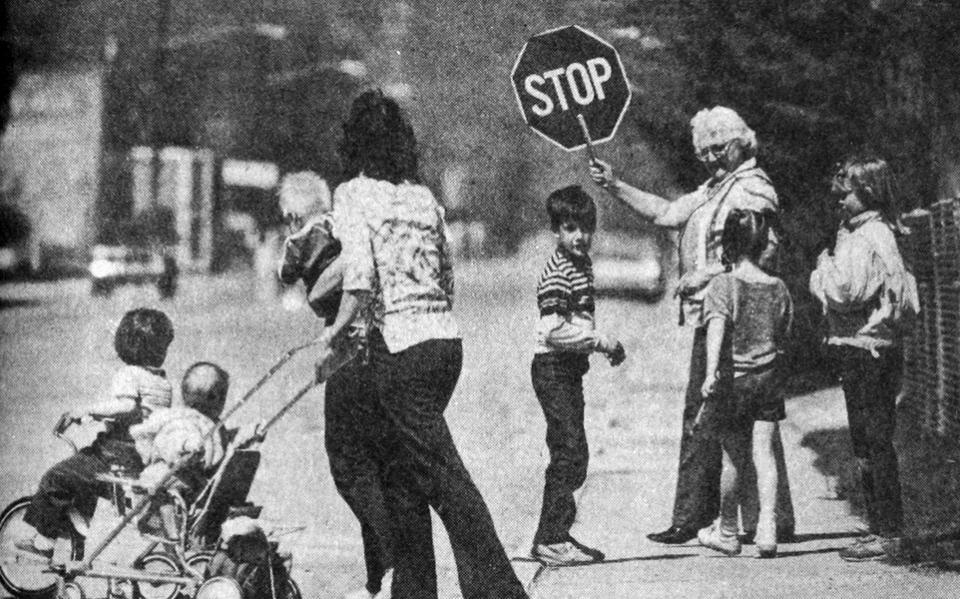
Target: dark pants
[(558, 384), (697, 500), (414, 387), (355, 442), (72, 483), (870, 386)]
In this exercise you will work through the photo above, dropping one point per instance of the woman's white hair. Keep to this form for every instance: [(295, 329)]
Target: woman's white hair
[(718, 125)]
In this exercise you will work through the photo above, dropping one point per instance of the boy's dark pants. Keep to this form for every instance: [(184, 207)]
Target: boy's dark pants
[(870, 387), (72, 483), (697, 499), (558, 383), (354, 437), (414, 387)]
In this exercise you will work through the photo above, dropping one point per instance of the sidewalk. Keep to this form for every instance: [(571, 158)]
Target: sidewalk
[(615, 517)]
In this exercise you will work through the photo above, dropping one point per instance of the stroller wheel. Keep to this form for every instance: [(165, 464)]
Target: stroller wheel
[(157, 563), (71, 590), (220, 587), (198, 563)]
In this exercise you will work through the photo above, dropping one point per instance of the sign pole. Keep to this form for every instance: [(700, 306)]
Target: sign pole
[(586, 138)]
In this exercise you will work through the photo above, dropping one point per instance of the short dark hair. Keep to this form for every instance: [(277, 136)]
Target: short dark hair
[(143, 336), (204, 388), (745, 234), (571, 204)]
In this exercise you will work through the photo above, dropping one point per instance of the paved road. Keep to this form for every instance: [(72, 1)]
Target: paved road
[(57, 351)]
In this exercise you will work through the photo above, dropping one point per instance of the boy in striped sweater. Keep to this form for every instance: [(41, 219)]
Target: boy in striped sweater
[(566, 336)]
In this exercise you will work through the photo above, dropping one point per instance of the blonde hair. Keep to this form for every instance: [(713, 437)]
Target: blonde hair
[(304, 193), (719, 125)]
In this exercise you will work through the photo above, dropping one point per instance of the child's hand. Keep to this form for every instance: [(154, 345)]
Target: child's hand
[(617, 355), (709, 386)]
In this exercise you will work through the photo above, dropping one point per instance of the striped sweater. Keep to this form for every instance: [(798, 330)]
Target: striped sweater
[(565, 299)]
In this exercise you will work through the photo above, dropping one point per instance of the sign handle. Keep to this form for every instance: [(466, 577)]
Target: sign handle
[(586, 138)]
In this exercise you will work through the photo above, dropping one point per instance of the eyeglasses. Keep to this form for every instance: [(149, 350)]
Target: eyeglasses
[(713, 151)]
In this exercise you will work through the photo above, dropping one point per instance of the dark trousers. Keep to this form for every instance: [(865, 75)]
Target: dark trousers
[(72, 483), (414, 387), (697, 500), (870, 387), (355, 441), (558, 384)]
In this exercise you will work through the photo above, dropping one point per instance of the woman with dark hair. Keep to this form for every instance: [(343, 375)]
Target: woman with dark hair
[(397, 264)]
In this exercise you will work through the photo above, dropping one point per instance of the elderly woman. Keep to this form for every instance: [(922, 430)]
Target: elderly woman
[(396, 261), (727, 147)]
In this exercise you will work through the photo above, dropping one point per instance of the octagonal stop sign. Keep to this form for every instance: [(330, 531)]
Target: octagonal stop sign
[(568, 72)]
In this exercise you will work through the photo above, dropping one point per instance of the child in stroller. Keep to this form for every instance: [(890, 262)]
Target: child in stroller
[(178, 434)]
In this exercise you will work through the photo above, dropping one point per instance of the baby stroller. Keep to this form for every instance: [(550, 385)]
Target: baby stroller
[(202, 563)]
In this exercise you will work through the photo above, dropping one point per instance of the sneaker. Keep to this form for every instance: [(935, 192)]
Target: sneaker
[(866, 548), (714, 538), (27, 548), (564, 554)]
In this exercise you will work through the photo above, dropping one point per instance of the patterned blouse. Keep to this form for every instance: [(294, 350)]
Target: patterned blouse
[(394, 243)]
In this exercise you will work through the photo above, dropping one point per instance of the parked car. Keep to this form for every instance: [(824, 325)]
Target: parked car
[(624, 262), (114, 265)]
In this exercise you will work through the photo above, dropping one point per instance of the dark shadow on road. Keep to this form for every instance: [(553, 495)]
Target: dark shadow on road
[(618, 560), (809, 552), (835, 459), (825, 536)]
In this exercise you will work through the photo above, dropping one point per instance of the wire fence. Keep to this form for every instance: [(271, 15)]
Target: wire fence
[(932, 352)]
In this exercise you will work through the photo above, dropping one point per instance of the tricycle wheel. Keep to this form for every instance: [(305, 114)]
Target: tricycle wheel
[(22, 576)]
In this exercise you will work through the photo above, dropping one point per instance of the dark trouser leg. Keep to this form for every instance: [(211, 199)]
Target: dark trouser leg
[(68, 484), (354, 439), (414, 386), (870, 387), (558, 384), (697, 499)]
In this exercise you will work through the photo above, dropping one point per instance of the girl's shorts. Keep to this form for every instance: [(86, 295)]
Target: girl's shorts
[(743, 400)]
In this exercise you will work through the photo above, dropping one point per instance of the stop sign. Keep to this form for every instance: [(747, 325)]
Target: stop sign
[(566, 72)]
